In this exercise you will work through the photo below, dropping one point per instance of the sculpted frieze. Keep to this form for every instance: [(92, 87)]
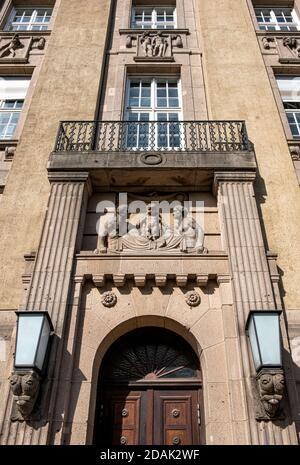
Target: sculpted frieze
[(17, 48), (152, 229), (154, 45)]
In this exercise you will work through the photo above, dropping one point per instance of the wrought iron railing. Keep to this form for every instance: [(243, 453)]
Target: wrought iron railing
[(126, 136)]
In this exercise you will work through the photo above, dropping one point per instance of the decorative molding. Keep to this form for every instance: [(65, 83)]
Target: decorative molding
[(68, 176), (109, 299), (152, 158), (270, 384), (140, 280), (25, 387), (193, 298)]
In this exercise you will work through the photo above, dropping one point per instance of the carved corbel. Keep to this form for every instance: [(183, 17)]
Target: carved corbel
[(38, 43), (177, 40), (119, 280), (140, 280), (161, 280), (25, 387), (268, 43), (270, 384), (99, 280), (295, 152), (129, 40), (181, 280)]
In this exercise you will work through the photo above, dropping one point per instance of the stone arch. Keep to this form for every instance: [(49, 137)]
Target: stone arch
[(124, 328)]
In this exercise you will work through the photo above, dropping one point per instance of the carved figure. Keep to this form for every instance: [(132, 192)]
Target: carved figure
[(292, 43), (146, 43), (107, 228), (192, 233), (159, 45), (116, 233), (271, 387), (9, 49), (25, 387)]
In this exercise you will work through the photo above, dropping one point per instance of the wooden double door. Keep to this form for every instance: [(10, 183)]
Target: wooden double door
[(151, 416)]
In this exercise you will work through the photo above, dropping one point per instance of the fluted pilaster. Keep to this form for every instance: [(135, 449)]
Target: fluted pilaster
[(251, 281), (49, 289)]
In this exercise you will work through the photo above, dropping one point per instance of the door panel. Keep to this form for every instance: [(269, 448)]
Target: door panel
[(125, 417), (151, 417), (175, 418)]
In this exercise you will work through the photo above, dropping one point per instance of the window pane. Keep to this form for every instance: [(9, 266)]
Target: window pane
[(161, 102), (145, 102)]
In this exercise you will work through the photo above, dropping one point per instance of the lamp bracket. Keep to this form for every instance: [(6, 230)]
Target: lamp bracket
[(270, 383), (25, 386)]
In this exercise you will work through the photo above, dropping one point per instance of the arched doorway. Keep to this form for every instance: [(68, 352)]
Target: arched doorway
[(149, 391)]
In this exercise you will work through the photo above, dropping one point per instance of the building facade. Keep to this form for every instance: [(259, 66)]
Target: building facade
[(108, 109)]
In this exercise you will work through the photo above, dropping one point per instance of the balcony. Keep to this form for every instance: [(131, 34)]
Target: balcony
[(152, 154), (152, 136)]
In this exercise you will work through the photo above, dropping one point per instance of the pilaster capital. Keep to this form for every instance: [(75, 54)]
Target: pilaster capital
[(232, 176), (68, 176)]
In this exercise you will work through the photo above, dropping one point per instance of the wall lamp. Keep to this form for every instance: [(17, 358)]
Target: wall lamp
[(34, 330), (263, 330)]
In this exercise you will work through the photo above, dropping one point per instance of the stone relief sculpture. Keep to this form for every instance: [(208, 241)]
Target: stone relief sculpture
[(292, 44), (25, 387), (150, 232), (8, 50), (18, 48), (153, 45), (271, 387)]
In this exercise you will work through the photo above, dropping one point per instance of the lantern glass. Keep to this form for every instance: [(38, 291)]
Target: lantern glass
[(264, 334), (33, 334)]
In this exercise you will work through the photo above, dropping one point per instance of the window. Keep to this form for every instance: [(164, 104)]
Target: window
[(29, 19), (289, 87), (153, 18), (12, 95), (157, 101), (277, 19)]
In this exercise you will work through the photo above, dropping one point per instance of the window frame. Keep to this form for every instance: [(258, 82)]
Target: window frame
[(263, 26), (286, 101), (9, 22), (153, 110), (10, 111), (14, 98), (153, 22)]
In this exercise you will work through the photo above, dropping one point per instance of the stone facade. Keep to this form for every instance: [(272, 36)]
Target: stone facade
[(248, 258)]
